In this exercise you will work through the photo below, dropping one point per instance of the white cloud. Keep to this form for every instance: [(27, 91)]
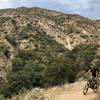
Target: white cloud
[(4, 0), (88, 8), (5, 4), (82, 4)]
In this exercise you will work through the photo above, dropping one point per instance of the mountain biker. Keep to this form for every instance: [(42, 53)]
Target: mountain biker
[(94, 72), (93, 82)]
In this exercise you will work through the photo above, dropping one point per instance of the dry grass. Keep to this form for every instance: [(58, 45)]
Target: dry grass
[(35, 94)]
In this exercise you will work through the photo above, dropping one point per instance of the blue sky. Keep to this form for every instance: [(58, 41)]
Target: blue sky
[(87, 8)]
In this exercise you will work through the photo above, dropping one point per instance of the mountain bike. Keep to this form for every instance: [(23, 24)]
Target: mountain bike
[(92, 84)]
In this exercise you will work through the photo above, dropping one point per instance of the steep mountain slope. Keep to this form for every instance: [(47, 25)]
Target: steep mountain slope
[(18, 27)]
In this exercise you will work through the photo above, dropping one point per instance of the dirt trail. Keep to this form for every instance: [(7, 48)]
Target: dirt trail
[(72, 92), (76, 96)]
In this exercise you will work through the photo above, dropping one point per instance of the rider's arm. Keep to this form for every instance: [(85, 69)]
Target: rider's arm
[(86, 74)]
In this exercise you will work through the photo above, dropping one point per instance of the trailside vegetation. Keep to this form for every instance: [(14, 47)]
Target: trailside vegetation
[(49, 64)]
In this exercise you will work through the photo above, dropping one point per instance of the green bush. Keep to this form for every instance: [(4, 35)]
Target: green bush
[(12, 39), (17, 64), (5, 51), (23, 35), (2, 97), (29, 77), (84, 55), (55, 75), (59, 72)]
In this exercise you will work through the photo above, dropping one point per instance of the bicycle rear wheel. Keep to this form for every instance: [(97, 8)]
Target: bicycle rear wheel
[(96, 87)]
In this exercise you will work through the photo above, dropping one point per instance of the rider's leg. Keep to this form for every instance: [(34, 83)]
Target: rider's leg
[(95, 82), (92, 81)]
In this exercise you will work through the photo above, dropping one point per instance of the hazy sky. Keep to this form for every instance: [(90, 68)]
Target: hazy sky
[(87, 8)]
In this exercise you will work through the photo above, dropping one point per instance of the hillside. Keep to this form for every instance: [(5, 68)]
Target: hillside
[(42, 48), (19, 26)]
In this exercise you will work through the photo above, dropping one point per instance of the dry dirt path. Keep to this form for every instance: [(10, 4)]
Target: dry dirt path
[(71, 92)]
